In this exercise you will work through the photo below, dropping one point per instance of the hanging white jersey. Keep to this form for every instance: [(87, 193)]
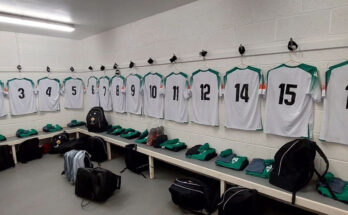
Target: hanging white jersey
[(133, 96), (49, 91), (118, 93), (3, 109), (176, 97), (242, 90), (22, 96), (205, 88), (289, 103), (153, 92), (104, 93), (92, 92), (73, 92), (335, 92)]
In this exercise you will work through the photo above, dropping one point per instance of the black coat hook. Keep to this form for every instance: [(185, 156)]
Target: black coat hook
[(150, 61), (115, 66), (90, 68), (72, 69), (203, 53), (19, 68), (131, 64), (48, 69), (292, 45), (102, 68), (173, 59), (241, 49)]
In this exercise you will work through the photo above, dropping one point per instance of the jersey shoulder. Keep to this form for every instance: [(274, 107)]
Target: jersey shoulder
[(117, 77), (173, 74), (204, 71), (333, 68), (19, 79), (50, 79)]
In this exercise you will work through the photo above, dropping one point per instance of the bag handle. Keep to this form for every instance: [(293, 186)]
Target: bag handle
[(118, 185)]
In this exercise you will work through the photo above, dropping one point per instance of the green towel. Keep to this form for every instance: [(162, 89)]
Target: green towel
[(266, 172), (169, 142), (130, 135), (340, 196), (237, 163), (75, 123), (226, 153), (115, 127), (25, 133), (202, 156), (117, 131), (51, 128), (2, 137), (128, 130), (144, 134), (143, 141), (172, 146), (204, 147)]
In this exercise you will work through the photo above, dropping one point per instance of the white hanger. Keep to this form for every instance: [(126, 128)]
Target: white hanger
[(242, 65), (291, 61)]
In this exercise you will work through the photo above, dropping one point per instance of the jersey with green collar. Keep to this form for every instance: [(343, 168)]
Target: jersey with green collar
[(92, 92), (49, 92), (176, 97), (133, 96), (3, 109), (335, 93), (73, 93), (205, 88), (153, 93), (289, 102), (21, 93), (242, 90), (104, 93), (118, 93)]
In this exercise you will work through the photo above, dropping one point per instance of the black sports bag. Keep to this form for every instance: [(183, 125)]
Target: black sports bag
[(293, 166), (6, 158), (97, 149), (57, 143), (135, 161), (29, 150), (96, 184), (194, 195), (96, 121), (239, 200)]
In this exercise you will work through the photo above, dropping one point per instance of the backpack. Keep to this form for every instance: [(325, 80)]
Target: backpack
[(135, 161), (73, 160), (57, 143), (96, 121), (29, 150), (194, 195), (96, 184), (97, 149), (6, 158), (293, 166), (239, 200)]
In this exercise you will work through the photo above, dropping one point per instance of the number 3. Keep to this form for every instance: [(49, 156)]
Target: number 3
[(21, 91)]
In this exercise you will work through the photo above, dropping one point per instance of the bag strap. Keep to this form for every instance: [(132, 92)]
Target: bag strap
[(118, 185)]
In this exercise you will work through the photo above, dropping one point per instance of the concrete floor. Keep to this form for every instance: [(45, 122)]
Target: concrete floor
[(37, 188)]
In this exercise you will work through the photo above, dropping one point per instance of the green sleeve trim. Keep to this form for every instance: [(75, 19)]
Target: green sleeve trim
[(118, 76), (314, 73), (193, 74), (31, 81), (338, 65), (229, 72), (209, 70), (38, 81), (10, 81), (328, 73), (67, 79), (91, 78), (53, 79), (26, 79), (138, 76), (173, 73), (258, 72), (107, 77), (273, 69)]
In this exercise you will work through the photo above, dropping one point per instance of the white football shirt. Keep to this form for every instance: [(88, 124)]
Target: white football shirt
[(118, 93), (242, 90), (3, 109), (176, 97), (153, 92), (134, 100), (205, 88), (22, 96), (49, 91), (335, 92), (289, 103), (92, 92), (73, 92), (104, 93)]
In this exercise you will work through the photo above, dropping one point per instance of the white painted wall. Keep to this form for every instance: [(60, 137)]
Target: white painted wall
[(220, 26)]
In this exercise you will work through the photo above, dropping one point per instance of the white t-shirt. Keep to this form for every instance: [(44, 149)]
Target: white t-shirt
[(22, 96), (153, 92), (73, 92), (92, 92), (49, 92), (3, 109), (205, 88), (104, 93), (242, 90), (118, 93), (289, 103), (176, 97), (335, 92), (134, 100)]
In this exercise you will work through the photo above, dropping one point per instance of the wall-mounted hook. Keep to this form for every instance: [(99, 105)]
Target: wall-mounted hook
[(48, 69), (115, 66), (19, 68), (90, 68), (173, 59), (203, 53), (241, 49), (102, 68), (131, 64), (72, 69), (292, 45), (150, 61)]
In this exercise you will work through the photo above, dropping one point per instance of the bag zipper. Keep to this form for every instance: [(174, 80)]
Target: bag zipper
[(281, 160), (184, 182), (223, 196), (198, 191), (223, 208)]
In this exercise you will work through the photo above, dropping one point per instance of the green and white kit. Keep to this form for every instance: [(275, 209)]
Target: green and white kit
[(49, 91), (21, 93), (134, 100), (73, 93), (92, 92), (118, 93), (153, 92), (104, 93)]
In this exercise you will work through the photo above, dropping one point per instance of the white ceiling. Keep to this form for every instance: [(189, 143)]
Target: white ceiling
[(89, 16)]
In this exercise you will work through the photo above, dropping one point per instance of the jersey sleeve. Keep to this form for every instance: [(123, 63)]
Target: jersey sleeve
[(315, 89), (262, 85), (220, 85), (187, 91)]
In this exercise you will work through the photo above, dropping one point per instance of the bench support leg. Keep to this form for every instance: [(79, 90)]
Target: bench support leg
[(14, 154), (151, 167), (108, 149), (222, 187), (77, 135)]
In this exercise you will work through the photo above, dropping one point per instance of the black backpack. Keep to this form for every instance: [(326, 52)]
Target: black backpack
[(29, 150), (57, 143), (96, 184), (194, 195), (6, 158), (135, 161), (239, 200), (96, 121), (293, 166), (97, 149)]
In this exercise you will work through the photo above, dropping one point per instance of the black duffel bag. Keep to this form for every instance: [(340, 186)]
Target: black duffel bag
[(29, 150), (96, 184), (6, 158), (194, 195), (135, 161), (96, 121), (60, 143), (239, 200)]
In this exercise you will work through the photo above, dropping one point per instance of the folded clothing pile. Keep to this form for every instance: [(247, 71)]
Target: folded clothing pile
[(337, 186), (173, 145), (115, 129), (143, 137), (75, 123), (26, 133), (260, 167), (230, 160), (154, 134), (2, 137), (51, 128), (130, 133), (201, 152)]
